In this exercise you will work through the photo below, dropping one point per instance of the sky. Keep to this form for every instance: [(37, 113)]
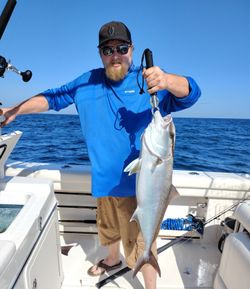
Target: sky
[(206, 39)]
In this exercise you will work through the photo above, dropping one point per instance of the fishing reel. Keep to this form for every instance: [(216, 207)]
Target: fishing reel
[(5, 65)]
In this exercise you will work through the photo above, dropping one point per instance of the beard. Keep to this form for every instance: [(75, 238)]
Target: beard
[(116, 74)]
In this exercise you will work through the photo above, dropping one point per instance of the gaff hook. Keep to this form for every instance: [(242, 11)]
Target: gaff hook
[(154, 101)]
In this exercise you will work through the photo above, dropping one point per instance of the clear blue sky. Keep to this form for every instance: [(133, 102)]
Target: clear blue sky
[(206, 39)]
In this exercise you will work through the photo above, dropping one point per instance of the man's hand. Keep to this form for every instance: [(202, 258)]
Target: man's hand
[(157, 80), (7, 115)]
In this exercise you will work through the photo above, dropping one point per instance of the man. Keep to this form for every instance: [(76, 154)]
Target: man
[(113, 115)]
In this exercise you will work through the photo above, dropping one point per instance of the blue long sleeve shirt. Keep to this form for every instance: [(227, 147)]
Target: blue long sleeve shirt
[(113, 115)]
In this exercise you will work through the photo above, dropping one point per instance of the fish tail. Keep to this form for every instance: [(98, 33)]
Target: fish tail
[(147, 259)]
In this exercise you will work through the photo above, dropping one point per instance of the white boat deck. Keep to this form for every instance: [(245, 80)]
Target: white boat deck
[(188, 264)]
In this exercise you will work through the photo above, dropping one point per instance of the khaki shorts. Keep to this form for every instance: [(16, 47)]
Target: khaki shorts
[(113, 223)]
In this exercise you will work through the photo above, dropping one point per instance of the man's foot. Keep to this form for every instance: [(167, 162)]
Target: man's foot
[(100, 268)]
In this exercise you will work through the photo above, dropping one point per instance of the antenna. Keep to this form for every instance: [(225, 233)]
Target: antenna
[(5, 16)]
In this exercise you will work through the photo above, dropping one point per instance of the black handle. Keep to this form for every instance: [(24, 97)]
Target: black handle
[(149, 63), (26, 75), (148, 58)]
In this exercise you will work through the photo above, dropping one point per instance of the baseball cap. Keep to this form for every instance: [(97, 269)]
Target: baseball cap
[(114, 30)]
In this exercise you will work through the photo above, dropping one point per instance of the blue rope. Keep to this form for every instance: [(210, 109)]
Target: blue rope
[(183, 224)]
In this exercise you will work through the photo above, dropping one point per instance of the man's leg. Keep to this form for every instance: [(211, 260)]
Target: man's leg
[(113, 257), (149, 276), (109, 235)]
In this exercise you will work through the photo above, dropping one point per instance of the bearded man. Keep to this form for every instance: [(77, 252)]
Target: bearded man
[(113, 115)]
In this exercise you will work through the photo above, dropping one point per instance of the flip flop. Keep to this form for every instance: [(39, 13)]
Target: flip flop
[(104, 266)]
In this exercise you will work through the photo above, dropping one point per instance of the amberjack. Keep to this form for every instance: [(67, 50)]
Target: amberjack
[(154, 188)]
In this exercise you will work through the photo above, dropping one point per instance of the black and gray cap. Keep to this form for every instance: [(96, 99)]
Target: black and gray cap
[(114, 31)]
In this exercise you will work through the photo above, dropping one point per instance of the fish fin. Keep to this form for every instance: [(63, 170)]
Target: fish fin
[(150, 148), (133, 167), (173, 193), (134, 217), (159, 161), (144, 259)]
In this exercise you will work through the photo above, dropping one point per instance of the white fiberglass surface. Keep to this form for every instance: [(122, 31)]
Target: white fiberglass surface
[(190, 264), (11, 205), (23, 202)]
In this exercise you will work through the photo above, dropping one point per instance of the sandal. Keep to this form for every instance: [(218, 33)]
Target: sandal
[(101, 268)]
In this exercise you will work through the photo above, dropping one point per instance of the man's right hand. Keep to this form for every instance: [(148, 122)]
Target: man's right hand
[(7, 115)]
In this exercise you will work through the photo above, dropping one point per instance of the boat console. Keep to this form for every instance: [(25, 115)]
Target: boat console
[(28, 229)]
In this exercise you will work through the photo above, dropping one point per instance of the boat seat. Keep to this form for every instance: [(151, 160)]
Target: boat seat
[(234, 268)]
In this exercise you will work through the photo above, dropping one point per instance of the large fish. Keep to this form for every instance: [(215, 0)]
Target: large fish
[(154, 188)]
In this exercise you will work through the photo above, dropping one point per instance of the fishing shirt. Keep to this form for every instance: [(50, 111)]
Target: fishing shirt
[(113, 116)]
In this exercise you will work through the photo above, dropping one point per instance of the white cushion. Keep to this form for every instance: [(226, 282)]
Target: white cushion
[(242, 215), (234, 269)]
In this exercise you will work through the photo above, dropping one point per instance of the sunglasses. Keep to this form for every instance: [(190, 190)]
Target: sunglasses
[(121, 49)]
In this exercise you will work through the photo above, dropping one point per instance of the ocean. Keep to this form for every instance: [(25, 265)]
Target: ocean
[(202, 144)]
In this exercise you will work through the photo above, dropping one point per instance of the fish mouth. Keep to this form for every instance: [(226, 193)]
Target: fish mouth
[(167, 119), (162, 121)]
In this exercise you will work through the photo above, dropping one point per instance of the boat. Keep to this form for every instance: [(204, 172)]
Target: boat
[(52, 240), (48, 234)]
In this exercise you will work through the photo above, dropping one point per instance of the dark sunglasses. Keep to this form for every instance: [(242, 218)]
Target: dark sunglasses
[(121, 49)]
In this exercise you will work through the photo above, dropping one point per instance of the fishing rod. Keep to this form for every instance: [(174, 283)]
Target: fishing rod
[(127, 269), (5, 16), (6, 65)]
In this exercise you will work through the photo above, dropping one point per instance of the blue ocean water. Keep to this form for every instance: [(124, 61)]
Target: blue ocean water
[(220, 145)]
